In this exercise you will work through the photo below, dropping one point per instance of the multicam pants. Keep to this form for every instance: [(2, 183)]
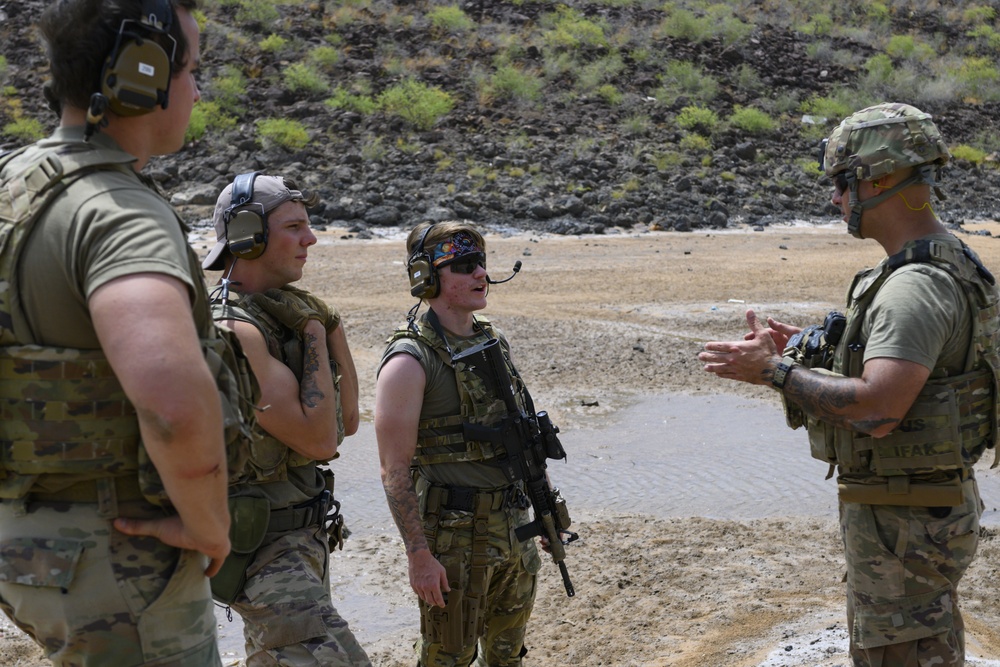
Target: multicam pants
[(509, 580), (288, 615), (94, 597), (903, 569)]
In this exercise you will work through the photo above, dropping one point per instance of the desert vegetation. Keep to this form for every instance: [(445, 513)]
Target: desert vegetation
[(574, 116)]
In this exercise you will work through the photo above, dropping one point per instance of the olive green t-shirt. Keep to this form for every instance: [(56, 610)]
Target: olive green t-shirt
[(441, 399), (920, 314), (120, 227)]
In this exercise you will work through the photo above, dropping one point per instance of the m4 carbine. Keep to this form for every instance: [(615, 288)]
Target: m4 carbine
[(526, 440)]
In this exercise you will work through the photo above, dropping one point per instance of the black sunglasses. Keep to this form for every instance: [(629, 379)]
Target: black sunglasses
[(468, 264), (840, 181)]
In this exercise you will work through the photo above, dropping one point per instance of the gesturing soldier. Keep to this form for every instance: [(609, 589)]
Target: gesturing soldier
[(900, 394)]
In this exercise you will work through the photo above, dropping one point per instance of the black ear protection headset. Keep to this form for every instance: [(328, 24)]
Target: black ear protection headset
[(246, 228), (137, 72), (423, 275)]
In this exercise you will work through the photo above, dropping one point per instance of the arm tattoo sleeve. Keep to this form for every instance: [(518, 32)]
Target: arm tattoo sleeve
[(403, 505), (827, 397)]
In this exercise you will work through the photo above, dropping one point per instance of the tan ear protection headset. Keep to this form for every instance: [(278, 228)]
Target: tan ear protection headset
[(423, 275), (246, 228), (136, 74)]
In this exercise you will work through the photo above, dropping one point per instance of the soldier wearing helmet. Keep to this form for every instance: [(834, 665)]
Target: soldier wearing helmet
[(899, 394)]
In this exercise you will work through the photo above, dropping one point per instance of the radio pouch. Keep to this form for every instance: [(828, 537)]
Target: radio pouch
[(249, 518)]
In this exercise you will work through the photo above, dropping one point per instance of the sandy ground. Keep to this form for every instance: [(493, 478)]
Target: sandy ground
[(708, 535)]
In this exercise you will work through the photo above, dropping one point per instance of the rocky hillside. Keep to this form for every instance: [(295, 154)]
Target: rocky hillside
[(565, 117)]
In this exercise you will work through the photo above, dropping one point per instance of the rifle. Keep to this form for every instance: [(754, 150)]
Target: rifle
[(526, 440)]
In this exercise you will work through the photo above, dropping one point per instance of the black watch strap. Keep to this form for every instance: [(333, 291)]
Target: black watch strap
[(782, 372)]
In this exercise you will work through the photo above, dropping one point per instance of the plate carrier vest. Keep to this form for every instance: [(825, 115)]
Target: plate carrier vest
[(478, 404), (267, 459), (62, 410), (954, 419)]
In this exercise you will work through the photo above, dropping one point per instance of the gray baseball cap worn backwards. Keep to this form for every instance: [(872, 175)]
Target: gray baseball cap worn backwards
[(269, 192)]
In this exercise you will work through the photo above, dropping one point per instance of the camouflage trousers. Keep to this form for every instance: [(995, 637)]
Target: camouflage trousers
[(495, 624), (903, 569), (94, 597), (288, 614)]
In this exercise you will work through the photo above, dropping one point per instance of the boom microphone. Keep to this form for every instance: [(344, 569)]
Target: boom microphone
[(517, 267)]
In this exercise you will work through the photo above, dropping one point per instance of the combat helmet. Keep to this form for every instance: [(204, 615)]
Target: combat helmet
[(878, 141)]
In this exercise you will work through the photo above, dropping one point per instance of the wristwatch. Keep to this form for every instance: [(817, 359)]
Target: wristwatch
[(785, 367)]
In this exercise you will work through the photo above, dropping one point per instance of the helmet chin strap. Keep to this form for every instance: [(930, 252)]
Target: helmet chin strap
[(921, 174)]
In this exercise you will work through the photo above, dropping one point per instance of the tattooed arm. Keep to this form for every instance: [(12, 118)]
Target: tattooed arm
[(874, 403), (301, 415), (399, 395)]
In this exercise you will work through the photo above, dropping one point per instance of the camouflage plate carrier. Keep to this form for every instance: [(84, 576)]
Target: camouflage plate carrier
[(478, 404), (952, 421), (63, 410)]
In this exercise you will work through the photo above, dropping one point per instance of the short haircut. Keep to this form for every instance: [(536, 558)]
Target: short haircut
[(80, 35)]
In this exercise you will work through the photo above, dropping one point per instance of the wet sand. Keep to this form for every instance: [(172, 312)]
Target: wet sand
[(708, 534)]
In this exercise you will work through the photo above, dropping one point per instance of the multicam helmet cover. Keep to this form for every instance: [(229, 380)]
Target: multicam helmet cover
[(883, 139)]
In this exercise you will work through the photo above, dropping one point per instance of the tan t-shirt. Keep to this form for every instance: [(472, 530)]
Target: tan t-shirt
[(920, 314), (123, 227)]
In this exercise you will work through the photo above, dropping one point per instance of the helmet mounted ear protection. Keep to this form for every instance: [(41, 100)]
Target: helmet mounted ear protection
[(136, 74), (246, 221), (420, 269)]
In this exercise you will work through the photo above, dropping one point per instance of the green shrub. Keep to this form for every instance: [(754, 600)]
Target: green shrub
[(682, 77), (568, 29), (820, 25), (684, 24), (753, 121), (610, 95), (830, 108), (726, 26), (273, 44), (256, 11), (698, 119), (747, 79), (986, 36), (636, 125), (324, 57), (343, 98), (450, 19), (24, 129), (417, 103), (282, 132), (227, 88), (207, 116), (968, 153), (512, 82), (695, 143), (300, 77), (600, 71), (977, 14), (980, 78), (3, 68)]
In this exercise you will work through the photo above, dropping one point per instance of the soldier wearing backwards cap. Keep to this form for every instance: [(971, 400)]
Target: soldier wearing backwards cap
[(284, 516), (900, 394)]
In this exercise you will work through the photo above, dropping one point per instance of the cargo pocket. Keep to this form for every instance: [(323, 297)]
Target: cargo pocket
[(903, 620), (35, 561)]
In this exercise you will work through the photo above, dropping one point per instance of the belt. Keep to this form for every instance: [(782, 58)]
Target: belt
[(126, 489), (310, 513), (464, 498)]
